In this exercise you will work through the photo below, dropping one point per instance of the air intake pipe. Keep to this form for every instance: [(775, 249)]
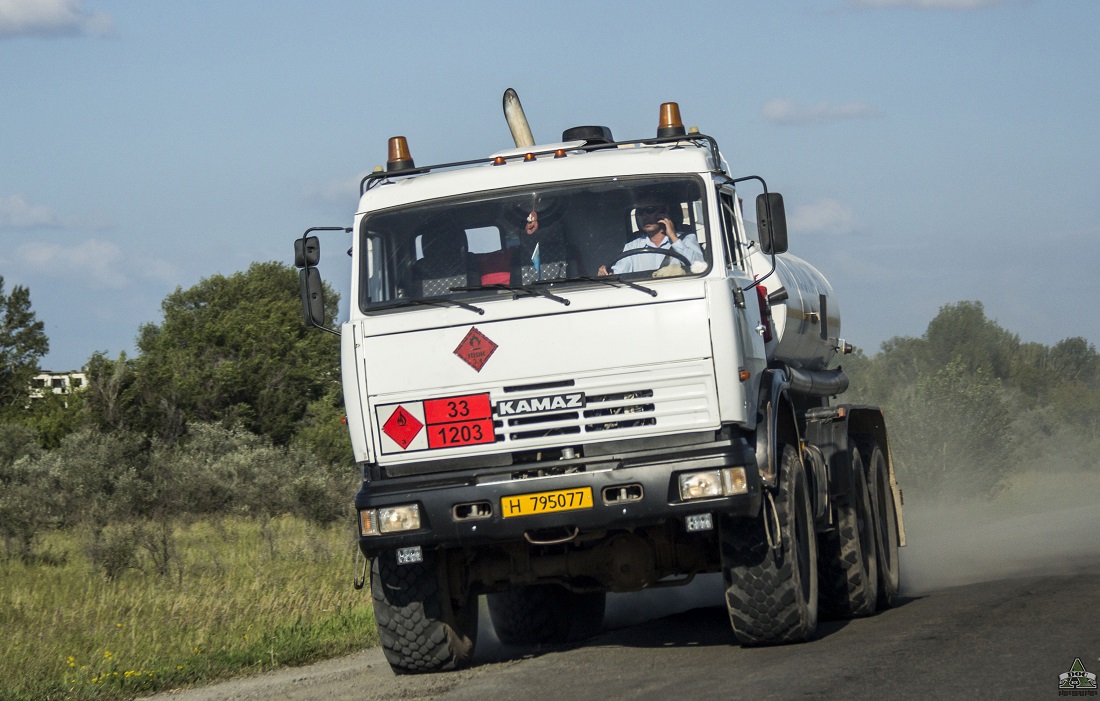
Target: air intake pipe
[(817, 383)]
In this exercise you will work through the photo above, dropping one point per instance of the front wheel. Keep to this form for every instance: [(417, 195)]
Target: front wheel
[(421, 627), (771, 592)]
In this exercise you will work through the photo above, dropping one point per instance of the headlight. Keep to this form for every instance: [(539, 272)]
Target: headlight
[(390, 519), (713, 483), (700, 485), (399, 518)]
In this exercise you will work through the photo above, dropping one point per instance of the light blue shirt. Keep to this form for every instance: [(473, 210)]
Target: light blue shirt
[(687, 246)]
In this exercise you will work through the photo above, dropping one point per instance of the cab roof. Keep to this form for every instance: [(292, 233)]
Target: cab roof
[(540, 164)]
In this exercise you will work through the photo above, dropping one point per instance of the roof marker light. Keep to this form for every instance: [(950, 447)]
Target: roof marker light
[(670, 123), (399, 157), (560, 153), (528, 157), (499, 161)]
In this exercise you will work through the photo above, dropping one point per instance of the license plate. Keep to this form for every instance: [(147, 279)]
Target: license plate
[(546, 502)]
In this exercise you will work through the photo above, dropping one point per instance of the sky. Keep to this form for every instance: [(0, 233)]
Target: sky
[(929, 151)]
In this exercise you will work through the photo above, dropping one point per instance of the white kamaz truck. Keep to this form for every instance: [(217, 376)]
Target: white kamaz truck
[(571, 369)]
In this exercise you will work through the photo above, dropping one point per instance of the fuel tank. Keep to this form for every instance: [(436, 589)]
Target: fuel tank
[(805, 313)]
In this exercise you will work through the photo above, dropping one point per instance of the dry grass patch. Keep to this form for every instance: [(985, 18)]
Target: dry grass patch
[(241, 596)]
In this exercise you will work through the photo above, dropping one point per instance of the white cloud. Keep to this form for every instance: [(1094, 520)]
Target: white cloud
[(51, 18), (787, 111), (93, 264), (928, 4), (826, 216), (17, 212)]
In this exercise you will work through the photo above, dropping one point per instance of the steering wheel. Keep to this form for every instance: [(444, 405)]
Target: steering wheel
[(652, 249)]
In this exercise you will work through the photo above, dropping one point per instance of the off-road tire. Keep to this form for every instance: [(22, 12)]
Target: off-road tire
[(771, 593), (886, 526), (848, 561), (420, 627), (545, 614)]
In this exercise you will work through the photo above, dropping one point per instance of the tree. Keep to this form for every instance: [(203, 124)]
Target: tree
[(962, 330), (233, 349), (22, 343), (323, 432), (26, 494), (111, 398), (54, 416), (970, 405), (1074, 383)]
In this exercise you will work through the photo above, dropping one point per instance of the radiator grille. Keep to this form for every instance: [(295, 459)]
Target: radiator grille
[(607, 413), (602, 414)]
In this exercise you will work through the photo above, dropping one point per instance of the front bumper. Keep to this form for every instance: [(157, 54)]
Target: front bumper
[(629, 491)]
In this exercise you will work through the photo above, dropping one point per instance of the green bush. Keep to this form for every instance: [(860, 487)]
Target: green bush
[(969, 406)]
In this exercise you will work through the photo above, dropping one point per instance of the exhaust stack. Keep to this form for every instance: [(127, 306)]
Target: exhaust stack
[(517, 120)]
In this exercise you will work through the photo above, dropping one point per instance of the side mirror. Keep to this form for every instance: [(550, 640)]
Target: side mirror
[(771, 222), (313, 297), (307, 252)]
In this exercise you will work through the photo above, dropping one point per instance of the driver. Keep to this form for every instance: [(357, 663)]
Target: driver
[(655, 230)]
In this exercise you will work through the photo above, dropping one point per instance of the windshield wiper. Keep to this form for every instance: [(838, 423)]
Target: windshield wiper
[(612, 280), (434, 302), (527, 290)]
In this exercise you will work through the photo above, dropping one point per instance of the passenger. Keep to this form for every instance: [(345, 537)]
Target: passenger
[(655, 230)]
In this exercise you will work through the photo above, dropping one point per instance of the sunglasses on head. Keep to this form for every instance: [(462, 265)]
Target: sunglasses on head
[(653, 209)]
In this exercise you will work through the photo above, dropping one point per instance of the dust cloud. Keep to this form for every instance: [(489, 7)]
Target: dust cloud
[(1040, 523)]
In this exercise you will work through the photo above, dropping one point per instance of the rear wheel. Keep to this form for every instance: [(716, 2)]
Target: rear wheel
[(421, 627), (886, 528), (771, 592), (545, 613), (849, 566)]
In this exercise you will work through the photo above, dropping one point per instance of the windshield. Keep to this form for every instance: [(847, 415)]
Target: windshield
[(481, 244)]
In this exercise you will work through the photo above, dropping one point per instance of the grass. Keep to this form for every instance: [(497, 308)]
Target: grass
[(244, 596)]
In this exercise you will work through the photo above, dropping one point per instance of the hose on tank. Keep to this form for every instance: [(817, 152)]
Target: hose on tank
[(817, 383)]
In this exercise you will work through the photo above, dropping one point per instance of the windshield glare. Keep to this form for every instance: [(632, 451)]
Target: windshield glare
[(534, 235)]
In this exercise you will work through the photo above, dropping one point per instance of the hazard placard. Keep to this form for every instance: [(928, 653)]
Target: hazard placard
[(446, 422), (402, 427), (475, 349)]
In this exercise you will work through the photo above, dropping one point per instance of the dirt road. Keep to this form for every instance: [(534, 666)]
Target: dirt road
[(1009, 633)]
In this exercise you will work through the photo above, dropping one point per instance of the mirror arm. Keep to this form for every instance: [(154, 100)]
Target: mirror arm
[(309, 318), (734, 181)]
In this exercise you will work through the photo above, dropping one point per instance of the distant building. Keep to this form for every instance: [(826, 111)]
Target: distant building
[(57, 383)]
